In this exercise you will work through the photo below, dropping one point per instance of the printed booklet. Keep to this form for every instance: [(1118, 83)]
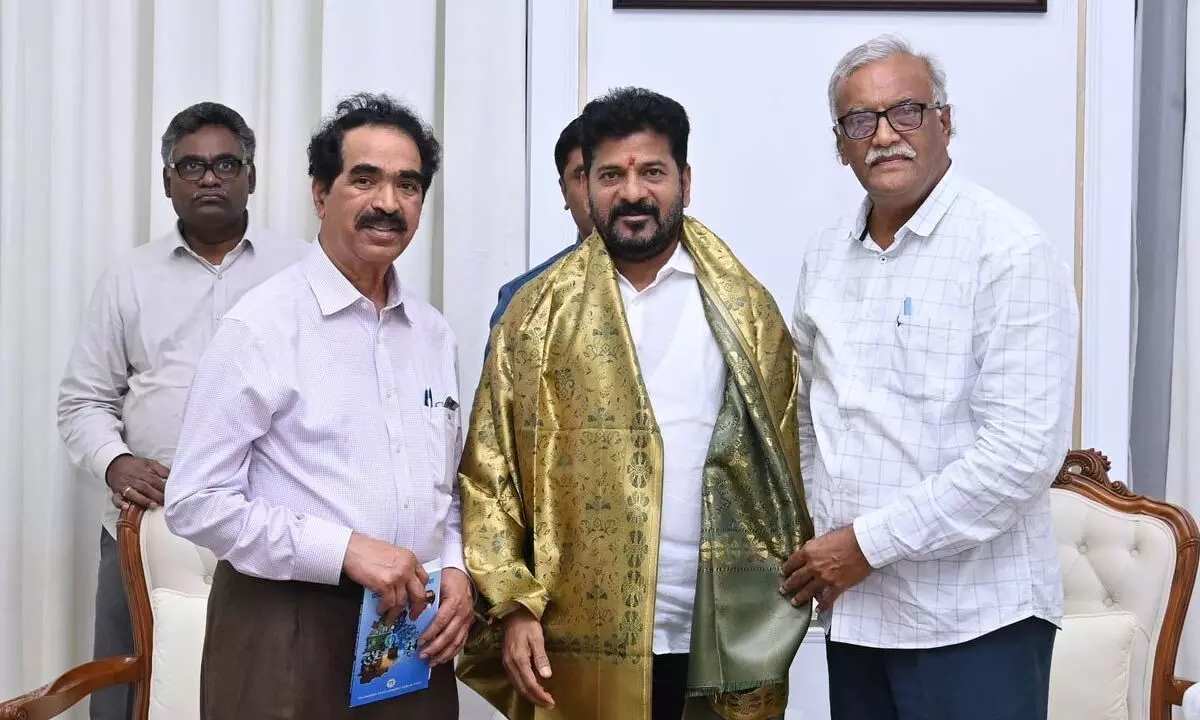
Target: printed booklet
[(387, 661)]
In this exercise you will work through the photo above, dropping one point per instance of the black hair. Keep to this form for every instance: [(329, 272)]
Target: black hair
[(325, 148), (191, 119), (568, 141), (625, 111)]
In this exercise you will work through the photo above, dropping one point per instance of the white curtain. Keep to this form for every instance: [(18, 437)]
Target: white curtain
[(1183, 454), (86, 89)]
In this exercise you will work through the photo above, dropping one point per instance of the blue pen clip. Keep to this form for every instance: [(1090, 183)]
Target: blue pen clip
[(905, 311)]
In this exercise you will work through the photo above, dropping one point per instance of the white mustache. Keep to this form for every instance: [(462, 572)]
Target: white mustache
[(874, 155)]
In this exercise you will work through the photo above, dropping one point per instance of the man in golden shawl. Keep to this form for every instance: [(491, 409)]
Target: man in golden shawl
[(631, 483)]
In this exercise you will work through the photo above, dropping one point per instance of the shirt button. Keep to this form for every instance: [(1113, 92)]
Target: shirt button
[(388, 394), (882, 258), (406, 504), (397, 449), (1133, 552)]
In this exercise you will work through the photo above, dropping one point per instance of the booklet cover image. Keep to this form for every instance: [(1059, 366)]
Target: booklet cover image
[(387, 662)]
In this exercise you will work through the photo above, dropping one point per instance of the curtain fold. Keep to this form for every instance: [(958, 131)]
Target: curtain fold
[(86, 90), (1162, 27), (1183, 452)]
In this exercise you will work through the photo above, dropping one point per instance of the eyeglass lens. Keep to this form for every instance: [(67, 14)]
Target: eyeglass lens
[(224, 168), (903, 118)]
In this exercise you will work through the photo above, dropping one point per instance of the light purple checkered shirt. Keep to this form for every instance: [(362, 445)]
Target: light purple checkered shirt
[(937, 387), (307, 419)]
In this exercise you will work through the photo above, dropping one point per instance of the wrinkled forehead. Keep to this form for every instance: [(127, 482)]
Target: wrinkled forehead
[(390, 150), (884, 83)]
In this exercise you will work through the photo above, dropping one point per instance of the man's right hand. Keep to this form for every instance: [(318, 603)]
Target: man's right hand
[(525, 656), (392, 572), (136, 480)]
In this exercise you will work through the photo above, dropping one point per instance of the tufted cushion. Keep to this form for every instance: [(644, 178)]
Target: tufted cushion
[(175, 663), (178, 577), (170, 561), (1113, 561), (1089, 676)]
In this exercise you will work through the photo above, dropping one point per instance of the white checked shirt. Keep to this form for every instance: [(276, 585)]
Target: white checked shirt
[(150, 318), (309, 418), (937, 387)]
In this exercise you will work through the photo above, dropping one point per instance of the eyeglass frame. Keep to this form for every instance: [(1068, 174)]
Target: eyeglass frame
[(210, 166), (840, 128)]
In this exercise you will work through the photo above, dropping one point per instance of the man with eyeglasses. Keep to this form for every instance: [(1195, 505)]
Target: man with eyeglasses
[(936, 330), (151, 316)]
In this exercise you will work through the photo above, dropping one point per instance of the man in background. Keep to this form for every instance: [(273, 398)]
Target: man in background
[(568, 158), (319, 451), (936, 329), (153, 312), (631, 475)]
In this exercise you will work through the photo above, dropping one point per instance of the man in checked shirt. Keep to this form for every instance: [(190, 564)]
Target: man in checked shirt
[(936, 331)]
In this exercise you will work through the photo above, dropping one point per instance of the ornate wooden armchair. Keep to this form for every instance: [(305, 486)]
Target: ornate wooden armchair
[(166, 580), (1129, 564)]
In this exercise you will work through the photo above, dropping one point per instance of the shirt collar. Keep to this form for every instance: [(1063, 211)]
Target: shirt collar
[(925, 220), (334, 292), (246, 243), (680, 261)]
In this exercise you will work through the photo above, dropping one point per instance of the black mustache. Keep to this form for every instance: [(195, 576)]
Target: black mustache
[(381, 221), (633, 209)]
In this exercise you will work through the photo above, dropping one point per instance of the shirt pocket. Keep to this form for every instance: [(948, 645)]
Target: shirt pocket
[(932, 354), (442, 445)]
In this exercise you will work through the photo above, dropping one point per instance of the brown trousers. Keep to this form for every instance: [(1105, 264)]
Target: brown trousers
[(285, 650)]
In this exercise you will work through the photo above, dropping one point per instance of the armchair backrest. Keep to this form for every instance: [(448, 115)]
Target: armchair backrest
[(167, 580), (1125, 552)]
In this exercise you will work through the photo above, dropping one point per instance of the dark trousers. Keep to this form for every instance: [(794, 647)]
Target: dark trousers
[(669, 686), (1004, 675), (285, 651), (113, 633)]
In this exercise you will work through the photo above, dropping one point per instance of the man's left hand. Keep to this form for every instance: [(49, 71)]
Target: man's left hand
[(447, 634), (824, 568)]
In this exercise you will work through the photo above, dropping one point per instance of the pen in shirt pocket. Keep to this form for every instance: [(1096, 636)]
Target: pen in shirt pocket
[(906, 309), (428, 399)]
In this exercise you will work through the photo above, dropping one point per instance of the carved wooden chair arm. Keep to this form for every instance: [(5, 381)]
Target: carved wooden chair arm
[(72, 686)]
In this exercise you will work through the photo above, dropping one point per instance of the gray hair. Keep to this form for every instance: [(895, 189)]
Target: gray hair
[(191, 119), (881, 48)]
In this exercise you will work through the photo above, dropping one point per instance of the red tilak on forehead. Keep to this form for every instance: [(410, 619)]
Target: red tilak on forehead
[(630, 162)]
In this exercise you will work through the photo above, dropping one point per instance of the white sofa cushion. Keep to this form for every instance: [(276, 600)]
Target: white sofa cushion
[(1112, 561), (1089, 675), (179, 620), (169, 561)]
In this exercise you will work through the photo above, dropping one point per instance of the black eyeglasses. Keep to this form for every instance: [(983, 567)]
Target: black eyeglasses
[(862, 124), (192, 169)]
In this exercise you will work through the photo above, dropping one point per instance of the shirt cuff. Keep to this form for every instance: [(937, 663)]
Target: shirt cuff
[(452, 557), (875, 538), (103, 457), (321, 552)]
